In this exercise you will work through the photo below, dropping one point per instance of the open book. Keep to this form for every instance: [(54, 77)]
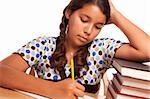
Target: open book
[(86, 96)]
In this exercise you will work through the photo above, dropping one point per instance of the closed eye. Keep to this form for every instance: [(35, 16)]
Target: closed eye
[(99, 26), (83, 19)]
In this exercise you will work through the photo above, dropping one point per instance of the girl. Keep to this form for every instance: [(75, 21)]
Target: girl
[(50, 57)]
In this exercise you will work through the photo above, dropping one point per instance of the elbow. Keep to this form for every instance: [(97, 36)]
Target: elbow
[(146, 56), (148, 49), (143, 56), (3, 71), (148, 53)]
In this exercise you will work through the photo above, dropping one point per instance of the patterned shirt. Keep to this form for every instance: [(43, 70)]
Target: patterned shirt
[(38, 53)]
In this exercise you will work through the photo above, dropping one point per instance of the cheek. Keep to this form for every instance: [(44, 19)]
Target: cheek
[(94, 34), (75, 25)]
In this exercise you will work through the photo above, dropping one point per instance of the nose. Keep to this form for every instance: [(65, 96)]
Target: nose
[(88, 29)]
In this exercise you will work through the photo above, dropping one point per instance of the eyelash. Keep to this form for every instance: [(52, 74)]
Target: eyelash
[(87, 21), (98, 27), (83, 20)]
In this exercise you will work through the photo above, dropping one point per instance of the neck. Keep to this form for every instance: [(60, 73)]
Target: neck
[(70, 51), (70, 47)]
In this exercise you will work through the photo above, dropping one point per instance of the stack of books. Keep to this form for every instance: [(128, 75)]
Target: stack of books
[(132, 81)]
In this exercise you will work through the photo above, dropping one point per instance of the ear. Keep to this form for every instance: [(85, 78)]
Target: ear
[(68, 13)]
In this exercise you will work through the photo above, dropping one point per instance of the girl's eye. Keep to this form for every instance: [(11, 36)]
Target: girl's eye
[(84, 19), (99, 27)]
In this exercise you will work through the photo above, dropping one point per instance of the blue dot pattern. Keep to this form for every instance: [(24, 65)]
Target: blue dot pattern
[(38, 53)]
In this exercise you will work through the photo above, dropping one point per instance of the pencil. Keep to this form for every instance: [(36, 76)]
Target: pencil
[(72, 68)]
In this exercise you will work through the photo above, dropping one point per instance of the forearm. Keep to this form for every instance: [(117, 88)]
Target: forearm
[(14, 79), (137, 37)]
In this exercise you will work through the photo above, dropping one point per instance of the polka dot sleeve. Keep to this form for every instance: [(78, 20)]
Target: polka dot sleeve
[(33, 50), (110, 46)]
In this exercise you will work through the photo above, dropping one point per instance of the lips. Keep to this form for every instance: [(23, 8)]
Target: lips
[(83, 39)]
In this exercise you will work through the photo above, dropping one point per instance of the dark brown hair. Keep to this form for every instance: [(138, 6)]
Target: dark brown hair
[(58, 60)]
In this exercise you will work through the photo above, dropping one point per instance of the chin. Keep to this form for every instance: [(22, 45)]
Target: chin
[(80, 43)]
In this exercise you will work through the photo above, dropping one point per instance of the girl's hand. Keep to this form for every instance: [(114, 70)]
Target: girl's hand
[(68, 89), (113, 11)]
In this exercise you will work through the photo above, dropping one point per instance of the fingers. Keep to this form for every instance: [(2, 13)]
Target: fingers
[(75, 88), (79, 86), (78, 92)]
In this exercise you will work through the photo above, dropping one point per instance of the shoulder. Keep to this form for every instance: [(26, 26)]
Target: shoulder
[(45, 39), (37, 49), (48, 43), (105, 42), (101, 42), (38, 45), (104, 49)]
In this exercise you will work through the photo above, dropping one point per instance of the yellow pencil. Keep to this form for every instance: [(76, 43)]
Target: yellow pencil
[(72, 68)]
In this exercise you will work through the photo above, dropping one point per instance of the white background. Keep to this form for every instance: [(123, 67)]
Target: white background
[(24, 20)]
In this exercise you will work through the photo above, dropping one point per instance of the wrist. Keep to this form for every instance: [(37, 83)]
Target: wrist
[(114, 16), (48, 89)]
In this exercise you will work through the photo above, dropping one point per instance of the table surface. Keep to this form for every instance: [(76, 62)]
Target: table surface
[(16, 94), (9, 94)]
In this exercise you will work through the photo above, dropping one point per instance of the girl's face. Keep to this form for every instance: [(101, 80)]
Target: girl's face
[(84, 24)]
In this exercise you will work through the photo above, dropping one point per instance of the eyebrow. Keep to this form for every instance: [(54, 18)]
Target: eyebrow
[(90, 18)]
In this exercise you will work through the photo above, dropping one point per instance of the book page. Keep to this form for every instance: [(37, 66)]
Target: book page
[(90, 97), (86, 96)]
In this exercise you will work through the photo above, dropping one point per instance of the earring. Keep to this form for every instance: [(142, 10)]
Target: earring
[(66, 30)]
